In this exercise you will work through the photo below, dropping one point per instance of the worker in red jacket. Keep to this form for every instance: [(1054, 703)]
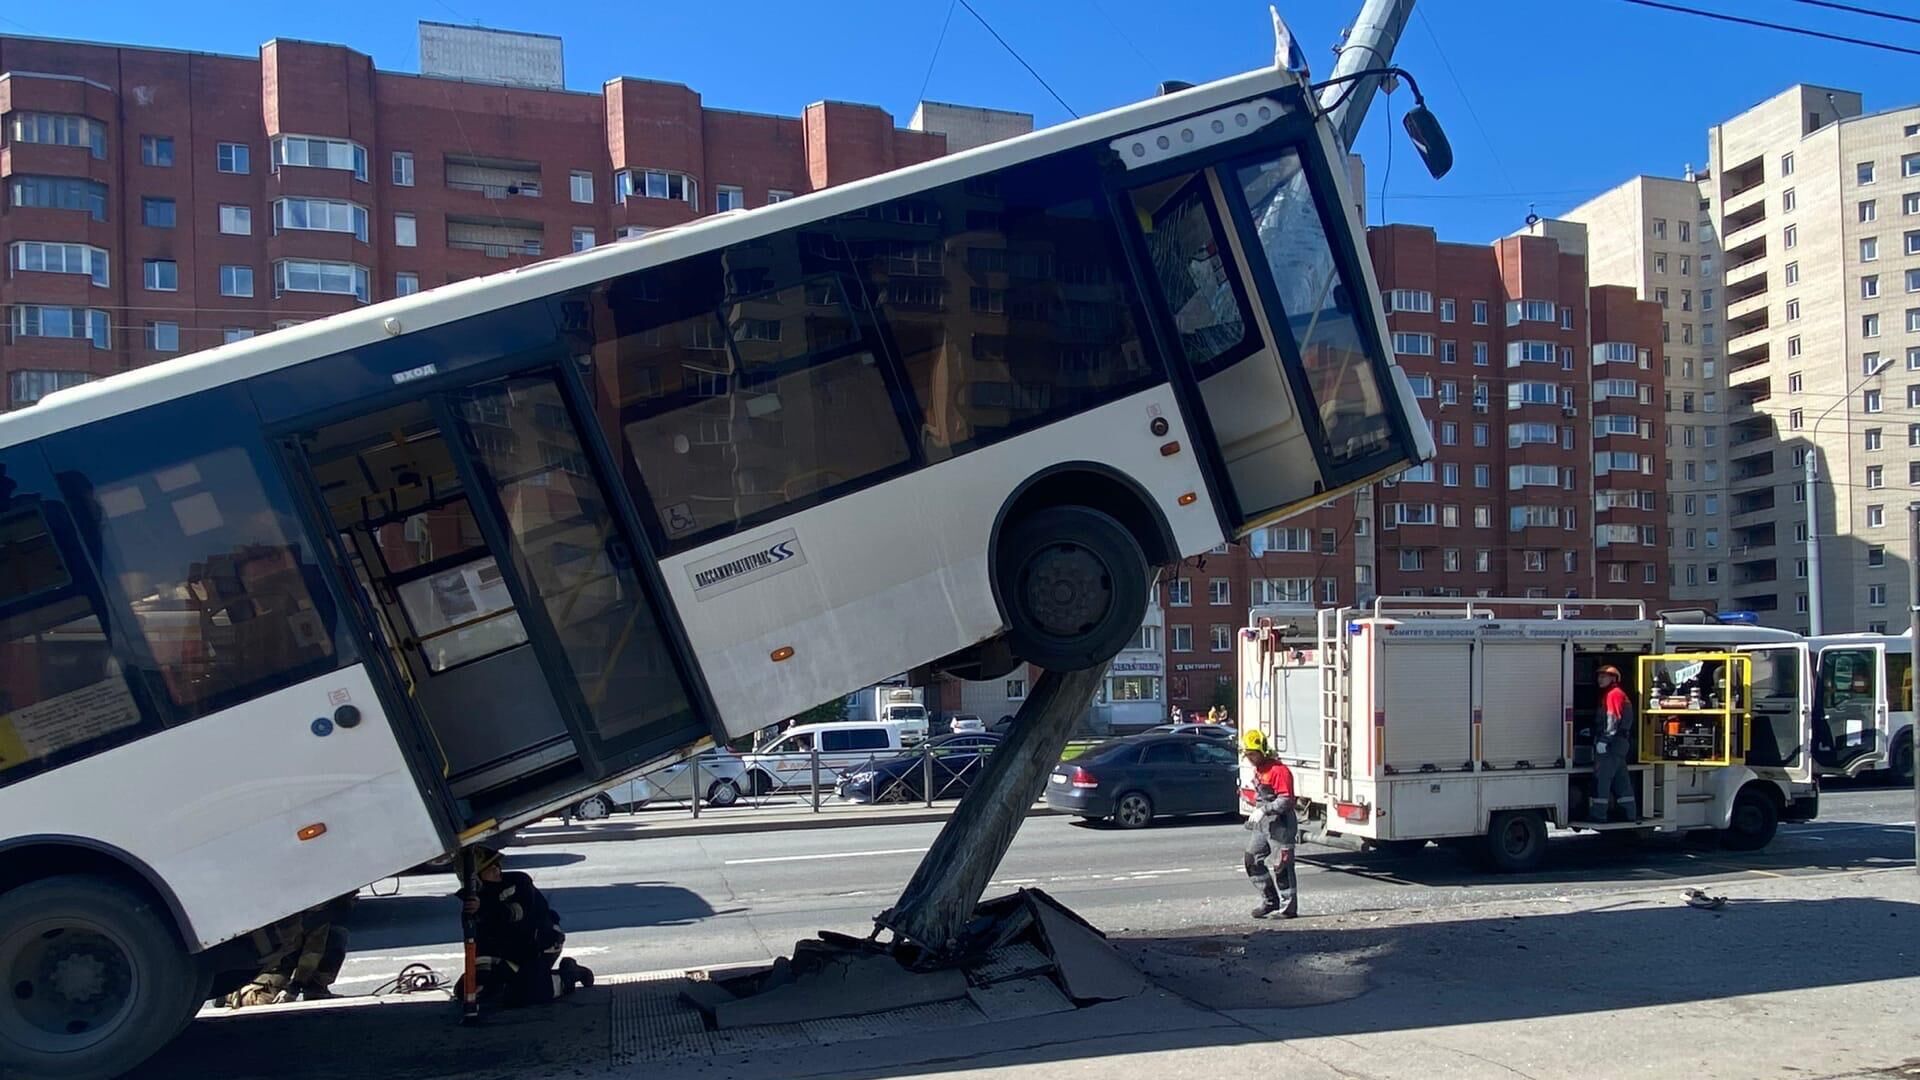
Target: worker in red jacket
[(1612, 748), (1275, 826)]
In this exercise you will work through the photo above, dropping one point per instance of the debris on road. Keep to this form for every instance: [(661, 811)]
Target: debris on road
[(1698, 898)]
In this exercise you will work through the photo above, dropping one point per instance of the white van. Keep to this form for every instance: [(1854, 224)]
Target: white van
[(788, 761)]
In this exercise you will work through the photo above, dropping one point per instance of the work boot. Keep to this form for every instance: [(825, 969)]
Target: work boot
[(1265, 910), (573, 975)]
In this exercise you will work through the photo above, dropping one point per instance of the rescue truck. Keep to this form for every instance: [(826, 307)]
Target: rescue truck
[(1471, 722)]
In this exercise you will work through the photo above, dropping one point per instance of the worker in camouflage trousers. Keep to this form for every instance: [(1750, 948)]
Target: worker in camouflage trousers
[(518, 938), (300, 957), (1275, 826)]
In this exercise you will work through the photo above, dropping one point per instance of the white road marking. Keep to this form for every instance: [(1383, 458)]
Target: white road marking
[(825, 855), (421, 958)]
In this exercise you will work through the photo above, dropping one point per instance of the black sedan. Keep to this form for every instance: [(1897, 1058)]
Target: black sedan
[(954, 761), (1132, 781)]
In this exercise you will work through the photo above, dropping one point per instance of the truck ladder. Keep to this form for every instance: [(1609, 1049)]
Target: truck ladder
[(1336, 729)]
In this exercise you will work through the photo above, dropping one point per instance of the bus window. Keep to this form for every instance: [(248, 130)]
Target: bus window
[(735, 407), (221, 585), (62, 693), (1899, 681), (1354, 411), (1009, 302), (1184, 244)]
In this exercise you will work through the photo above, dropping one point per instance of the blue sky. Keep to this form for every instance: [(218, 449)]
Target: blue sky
[(1546, 101)]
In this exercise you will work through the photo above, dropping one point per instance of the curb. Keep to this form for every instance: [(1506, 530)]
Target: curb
[(830, 820)]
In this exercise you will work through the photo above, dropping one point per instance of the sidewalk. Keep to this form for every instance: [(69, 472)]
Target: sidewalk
[(775, 816), (1803, 977)]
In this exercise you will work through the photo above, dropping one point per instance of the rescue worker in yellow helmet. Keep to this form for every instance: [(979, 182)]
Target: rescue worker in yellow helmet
[(518, 938), (1275, 827)]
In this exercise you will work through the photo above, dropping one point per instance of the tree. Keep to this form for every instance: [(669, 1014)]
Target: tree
[(1223, 695), (827, 712)]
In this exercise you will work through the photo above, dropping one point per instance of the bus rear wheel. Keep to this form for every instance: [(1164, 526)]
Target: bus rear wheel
[(93, 980), (1074, 584)]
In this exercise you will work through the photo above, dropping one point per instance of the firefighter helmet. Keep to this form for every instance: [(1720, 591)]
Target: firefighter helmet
[(1253, 741)]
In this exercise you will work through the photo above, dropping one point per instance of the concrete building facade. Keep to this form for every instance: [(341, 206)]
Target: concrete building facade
[(1655, 236)]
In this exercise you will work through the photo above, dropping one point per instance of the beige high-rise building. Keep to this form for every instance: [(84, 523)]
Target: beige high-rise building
[(1654, 235), (1819, 212)]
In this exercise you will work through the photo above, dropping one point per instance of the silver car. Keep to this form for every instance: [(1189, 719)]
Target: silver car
[(722, 782)]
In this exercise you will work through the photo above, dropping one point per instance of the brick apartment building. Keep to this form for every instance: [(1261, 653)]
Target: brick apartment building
[(159, 202)]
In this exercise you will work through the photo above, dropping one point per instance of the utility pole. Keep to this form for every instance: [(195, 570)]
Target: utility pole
[(1913, 634), (1813, 539), (1369, 44)]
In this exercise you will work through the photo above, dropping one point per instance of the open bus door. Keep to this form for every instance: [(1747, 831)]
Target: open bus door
[(1781, 701), (1850, 707)]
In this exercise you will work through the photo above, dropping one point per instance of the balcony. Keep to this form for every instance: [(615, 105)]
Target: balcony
[(1757, 602), (1741, 225), (1742, 255), (1742, 311), (1756, 572), (1739, 184), (496, 178), (1755, 507), (1756, 387), (1755, 541), (1748, 337), (498, 238)]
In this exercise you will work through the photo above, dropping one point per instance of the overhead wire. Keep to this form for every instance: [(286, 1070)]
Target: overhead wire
[(1763, 24), (1015, 53), (1857, 10), (927, 79)]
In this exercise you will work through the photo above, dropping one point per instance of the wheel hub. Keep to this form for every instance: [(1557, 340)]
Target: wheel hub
[(1068, 589), (63, 986)]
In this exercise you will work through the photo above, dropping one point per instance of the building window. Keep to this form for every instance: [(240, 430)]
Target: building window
[(580, 186), (36, 256), (406, 283), (1876, 596), (1910, 203), (156, 150), (1876, 477), (1413, 344), (1479, 313), (1483, 517), (321, 215), (236, 220), (1877, 555), (1219, 592), (1418, 301), (655, 184), (1863, 172), (1872, 439), (310, 276), (236, 158), (236, 281), (1793, 346), (1180, 592), (163, 336), (1483, 476), (1796, 419), (1867, 210), (1869, 249), (1659, 228), (1870, 326), (234, 333), (1449, 433), (1222, 637), (728, 198), (406, 232), (1660, 262), (1449, 352), (1482, 434), (1016, 689), (1793, 311), (312, 152), (1788, 201), (1180, 638), (157, 213), (1912, 241), (39, 320), (402, 168), (56, 129), (1446, 311), (1790, 236), (1870, 287), (1870, 401), (777, 196), (162, 275), (1479, 354), (1876, 516)]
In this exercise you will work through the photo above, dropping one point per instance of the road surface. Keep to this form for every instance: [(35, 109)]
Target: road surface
[(648, 905)]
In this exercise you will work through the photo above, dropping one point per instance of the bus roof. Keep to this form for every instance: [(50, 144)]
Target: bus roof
[(245, 359)]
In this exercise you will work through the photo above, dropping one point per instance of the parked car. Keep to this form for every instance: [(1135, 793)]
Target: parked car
[(955, 761), (788, 761), (1134, 780), (722, 780), (1218, 732), (967, 724)]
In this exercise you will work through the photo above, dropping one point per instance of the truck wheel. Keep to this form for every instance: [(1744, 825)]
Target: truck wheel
[(1755, 819), (1900, 762), (1074, 584), (95, 981), (1516, 841)]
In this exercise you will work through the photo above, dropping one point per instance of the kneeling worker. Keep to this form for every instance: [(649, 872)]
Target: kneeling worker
[(1269, 860), (518, 938)]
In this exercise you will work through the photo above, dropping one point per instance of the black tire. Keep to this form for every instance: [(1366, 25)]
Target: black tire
[(1900, 762), (1756, 817), (1516, 841), (723, 793), (139, 979), (593, 808), (1133, 810), (1073, 582)]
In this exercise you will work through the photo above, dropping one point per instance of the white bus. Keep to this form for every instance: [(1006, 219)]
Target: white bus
[(288, 616), (1863, 713)]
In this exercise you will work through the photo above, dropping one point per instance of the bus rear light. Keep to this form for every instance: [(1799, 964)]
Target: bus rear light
[(1188, 498), (1169, 449), (309, 832), (784, 652)]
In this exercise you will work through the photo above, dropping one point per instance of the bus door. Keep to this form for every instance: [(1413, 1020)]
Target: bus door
[(1271, 310), (1780, 699), (498, 575), (1850, 717)]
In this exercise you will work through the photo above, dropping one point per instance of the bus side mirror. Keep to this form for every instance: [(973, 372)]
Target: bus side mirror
[(1430, 141)]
